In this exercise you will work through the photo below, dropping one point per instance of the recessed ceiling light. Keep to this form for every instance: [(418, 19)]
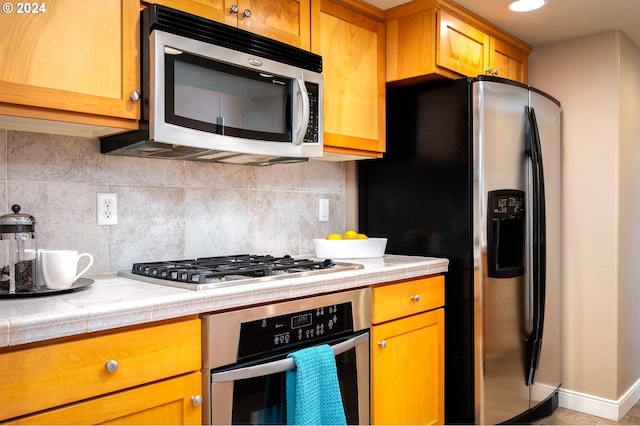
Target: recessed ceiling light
[(526, 5)]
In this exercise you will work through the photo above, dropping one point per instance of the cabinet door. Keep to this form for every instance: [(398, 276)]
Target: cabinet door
[(288, 21), (406, 298), (168, 402), (407, 370), (461, 47), (352, 49), (215, 10), (73, 56), (508, 61), (38, 378)]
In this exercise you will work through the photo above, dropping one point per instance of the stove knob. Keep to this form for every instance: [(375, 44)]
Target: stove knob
[(196, 400), (111, 365)]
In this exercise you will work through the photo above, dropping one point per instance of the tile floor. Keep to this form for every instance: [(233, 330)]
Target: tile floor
[(563, 416)]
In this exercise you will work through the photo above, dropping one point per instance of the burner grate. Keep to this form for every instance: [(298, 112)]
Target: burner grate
[(222, 268)]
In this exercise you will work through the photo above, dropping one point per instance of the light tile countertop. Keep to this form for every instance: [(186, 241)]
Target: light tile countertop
[(113, 301)]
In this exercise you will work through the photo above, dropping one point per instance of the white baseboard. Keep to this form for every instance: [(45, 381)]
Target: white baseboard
[(601, 407)]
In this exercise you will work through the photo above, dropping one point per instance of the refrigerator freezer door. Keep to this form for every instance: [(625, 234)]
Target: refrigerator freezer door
[(549, 119), (502, 315)]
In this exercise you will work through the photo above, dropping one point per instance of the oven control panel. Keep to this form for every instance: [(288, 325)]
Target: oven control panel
[(283, 333)]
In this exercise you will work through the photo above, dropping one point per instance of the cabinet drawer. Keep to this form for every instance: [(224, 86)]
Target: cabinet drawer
[(37, 378), (406, 298), (165, 402)]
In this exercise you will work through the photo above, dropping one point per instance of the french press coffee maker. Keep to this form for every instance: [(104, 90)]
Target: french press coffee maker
[(18, 252)]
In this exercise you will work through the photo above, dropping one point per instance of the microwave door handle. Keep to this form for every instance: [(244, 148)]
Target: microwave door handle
[(303, 107), (281, 365)]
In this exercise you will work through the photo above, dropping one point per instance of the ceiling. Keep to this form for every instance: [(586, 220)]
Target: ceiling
[(558, 20)]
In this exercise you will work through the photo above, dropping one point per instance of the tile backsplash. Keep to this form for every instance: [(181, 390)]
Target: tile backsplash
[(166, 209)]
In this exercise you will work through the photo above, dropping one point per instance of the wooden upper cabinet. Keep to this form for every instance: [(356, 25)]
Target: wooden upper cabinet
[(351, 43), (215, 10), (460, 47), (507, 61), (432, 39), (73, 61), (288, 21)]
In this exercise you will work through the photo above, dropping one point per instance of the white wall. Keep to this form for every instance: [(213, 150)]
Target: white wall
[(597, 80), (629, 216)]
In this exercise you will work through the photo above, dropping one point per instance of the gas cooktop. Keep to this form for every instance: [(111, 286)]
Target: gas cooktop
[(221, 271)]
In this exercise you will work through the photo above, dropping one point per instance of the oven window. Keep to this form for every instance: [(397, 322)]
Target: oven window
[(211, 96), (262, 400)]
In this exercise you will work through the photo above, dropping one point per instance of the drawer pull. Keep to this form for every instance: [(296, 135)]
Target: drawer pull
[(415, 297), (111, 365), (196, 400), (382, 344)]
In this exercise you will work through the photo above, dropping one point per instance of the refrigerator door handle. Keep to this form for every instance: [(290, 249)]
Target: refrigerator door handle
[(541, 249), (534, 339)]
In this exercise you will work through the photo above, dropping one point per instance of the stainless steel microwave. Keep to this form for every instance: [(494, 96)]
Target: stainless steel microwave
[(211, 92)]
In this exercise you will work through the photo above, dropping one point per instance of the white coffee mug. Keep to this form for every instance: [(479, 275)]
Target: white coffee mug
[(59, 267)]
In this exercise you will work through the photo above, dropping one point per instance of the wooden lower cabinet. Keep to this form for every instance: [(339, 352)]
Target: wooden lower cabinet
[(169, 402), (407, 355), (407, 379), (135, 375)]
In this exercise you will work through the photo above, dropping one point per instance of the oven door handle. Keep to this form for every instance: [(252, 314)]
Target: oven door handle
[(281, 365)]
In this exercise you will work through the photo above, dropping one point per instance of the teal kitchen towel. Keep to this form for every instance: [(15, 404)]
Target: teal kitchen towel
[(313, 391)]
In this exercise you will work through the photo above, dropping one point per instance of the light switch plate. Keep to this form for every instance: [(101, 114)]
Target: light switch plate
[(323, 209)]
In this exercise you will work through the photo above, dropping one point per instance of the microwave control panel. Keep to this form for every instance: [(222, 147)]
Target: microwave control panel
[(313, 130)]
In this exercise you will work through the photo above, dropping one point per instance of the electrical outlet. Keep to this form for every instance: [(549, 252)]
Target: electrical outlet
[(323, 210), (107, 208)]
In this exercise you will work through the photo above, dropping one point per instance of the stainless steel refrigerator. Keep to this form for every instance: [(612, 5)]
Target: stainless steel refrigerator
[(473, 173)]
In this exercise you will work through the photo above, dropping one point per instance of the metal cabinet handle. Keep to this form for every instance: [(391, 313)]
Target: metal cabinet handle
[(111, 365), (491, 71), (135, 96), (235, 9), (382, 344), (196, 400), (415, 297)]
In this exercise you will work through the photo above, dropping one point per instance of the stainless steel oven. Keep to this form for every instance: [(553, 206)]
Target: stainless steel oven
[(245, 355)]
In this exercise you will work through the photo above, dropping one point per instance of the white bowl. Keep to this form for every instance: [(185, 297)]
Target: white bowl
[(349, 249)]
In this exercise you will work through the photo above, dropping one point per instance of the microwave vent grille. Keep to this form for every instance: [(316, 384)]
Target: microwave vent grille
[(184, 24)]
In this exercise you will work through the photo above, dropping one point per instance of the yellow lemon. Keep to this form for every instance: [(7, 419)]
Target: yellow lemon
[(362, 237), (334, 237), (350, 235)]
